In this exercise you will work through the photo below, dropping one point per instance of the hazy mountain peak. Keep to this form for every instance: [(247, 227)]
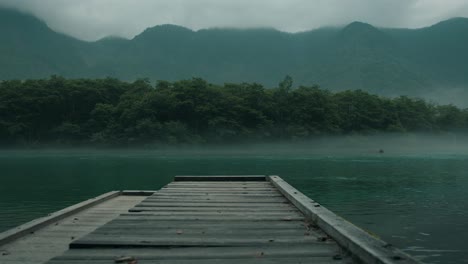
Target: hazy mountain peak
[(360, 28), (166, 28), (14, 18), (456, 20), (365, 35), (453, 23), (161, 32)]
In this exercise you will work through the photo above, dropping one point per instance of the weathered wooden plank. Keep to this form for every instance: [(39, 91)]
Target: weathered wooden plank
[(203, 233), (219, 194), (212, 218), (19, 262), (212, 204), (223, 199), (37, 224), (216, 191), (157, 224), (279, 214), (231, 183), (52, 240), (191, 238), (227, 178), (215, 195), (294, 250), (137, 192), (251, 260), (95, 241), (144, 207), (219, 230), (361, 244), (221, 184), (221, 187)]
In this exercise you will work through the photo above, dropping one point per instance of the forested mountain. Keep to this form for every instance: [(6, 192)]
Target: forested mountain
[(357, 56), (30, 49)]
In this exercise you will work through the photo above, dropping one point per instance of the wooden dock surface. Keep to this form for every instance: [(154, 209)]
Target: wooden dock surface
[(38, 245), (226, 219), (197, 219), (219, 221)]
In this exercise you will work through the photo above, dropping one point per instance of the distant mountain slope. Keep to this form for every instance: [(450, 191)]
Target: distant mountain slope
[(357, 56), (29, 49)]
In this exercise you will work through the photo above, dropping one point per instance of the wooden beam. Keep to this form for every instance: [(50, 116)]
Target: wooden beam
[(220, 178), (138, 192)]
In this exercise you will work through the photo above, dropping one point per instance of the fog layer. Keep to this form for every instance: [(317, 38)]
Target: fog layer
[(94, 19)]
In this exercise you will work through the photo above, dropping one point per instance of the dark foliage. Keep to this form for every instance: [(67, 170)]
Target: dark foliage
[(113, 112)]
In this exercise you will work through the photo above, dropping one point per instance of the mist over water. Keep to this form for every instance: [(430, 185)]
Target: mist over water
[(381, 145), (377, 145), (328, 146), (412, 195)]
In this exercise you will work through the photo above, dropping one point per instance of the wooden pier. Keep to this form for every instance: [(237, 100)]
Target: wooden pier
[(198, 219)]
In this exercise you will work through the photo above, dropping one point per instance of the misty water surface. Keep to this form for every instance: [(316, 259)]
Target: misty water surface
[(416, 201)]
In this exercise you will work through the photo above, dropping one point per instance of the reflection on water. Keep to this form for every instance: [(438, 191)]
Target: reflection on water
[(418, 203)]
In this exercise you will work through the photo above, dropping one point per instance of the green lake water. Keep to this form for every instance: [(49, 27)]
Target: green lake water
[(416, 202)]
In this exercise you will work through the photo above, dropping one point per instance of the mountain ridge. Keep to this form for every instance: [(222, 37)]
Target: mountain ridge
[(16, 12), (355, 56)]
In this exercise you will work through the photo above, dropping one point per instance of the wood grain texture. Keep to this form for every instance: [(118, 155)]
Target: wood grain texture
[(220, 178), (53, 240), (209, 219), (36, 224)]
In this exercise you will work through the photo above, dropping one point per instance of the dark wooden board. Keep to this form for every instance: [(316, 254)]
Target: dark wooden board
[(216, 198), (202, 191), (216, 195), (152, 207), (293, 250), (220, 188), (239, 218), (226, 178), (95, 241), (252, 260), (189, 203), (223, 199), (157, 224)]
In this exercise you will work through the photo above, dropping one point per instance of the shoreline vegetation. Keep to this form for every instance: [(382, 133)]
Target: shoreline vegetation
[(113, 113)]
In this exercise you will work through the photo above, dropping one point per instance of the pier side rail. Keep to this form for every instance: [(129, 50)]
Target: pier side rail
[(36, 224), (359, 243)]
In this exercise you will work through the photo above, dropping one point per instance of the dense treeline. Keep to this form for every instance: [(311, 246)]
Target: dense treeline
[(112, 112)]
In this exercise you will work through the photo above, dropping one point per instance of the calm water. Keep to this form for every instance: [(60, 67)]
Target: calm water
[(419, 203)]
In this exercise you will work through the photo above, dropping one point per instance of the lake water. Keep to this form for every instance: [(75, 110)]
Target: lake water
[(416, 202)]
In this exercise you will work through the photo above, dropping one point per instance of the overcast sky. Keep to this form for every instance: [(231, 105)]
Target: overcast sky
[(94, 19)]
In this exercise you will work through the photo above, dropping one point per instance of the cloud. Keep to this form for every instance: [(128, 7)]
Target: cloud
[(94, 19)]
